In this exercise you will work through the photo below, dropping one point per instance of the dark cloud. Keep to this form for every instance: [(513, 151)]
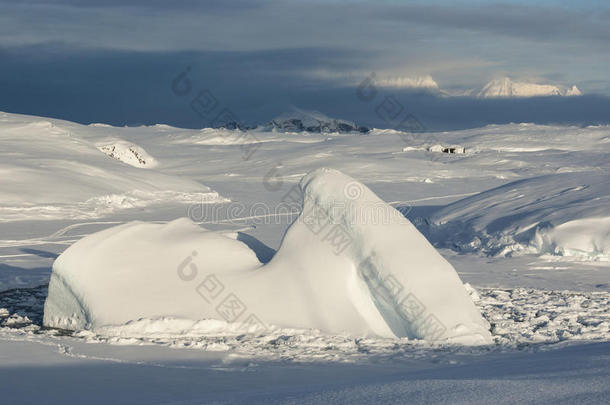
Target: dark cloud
[(131, 88), (112, 60), (125, 87), (519, 20), (531, 22)]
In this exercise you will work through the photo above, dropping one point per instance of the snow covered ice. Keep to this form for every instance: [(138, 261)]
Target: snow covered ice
[(520, 217), (349, 264), (304, 202), (57, 174)]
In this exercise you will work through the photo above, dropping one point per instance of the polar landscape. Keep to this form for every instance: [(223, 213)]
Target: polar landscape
[(469, 263), (304, 202)]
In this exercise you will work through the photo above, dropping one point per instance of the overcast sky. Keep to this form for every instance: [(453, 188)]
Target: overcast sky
[(262, 56)]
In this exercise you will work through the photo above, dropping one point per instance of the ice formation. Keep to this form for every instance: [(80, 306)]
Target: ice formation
[(350, 263)]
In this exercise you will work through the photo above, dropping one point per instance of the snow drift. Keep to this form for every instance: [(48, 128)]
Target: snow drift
[(349, 264), (565, 214), (55, 169)]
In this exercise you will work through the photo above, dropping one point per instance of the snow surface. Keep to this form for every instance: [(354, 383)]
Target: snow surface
[(54, 171), (545, 297), (549, 345), (549, 214)]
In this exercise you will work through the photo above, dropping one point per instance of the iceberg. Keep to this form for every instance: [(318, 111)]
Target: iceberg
[(350, 263)]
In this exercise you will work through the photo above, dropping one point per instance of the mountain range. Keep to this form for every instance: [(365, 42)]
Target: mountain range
[(503, 87)]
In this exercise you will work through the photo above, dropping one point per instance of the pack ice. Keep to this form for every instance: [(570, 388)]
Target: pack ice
[(350, 263)]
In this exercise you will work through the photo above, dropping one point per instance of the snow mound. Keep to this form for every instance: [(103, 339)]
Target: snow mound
[(128, 153), (54, 170), (559, 214), (505, 87), (349, 264), (587, 238)]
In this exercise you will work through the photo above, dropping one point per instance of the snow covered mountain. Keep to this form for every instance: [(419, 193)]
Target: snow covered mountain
[(505, 87), (311, 121), (573, 91)]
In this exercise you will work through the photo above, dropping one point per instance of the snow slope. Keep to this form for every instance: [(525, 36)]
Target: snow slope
[(342, 267), (52, 170), (564, 214)]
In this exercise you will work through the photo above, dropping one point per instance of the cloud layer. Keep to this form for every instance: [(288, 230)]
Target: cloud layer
[(263, 56)]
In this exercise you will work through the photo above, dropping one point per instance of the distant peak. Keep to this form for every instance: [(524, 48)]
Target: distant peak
[(505, 87), (312, 121), (574, 91)]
